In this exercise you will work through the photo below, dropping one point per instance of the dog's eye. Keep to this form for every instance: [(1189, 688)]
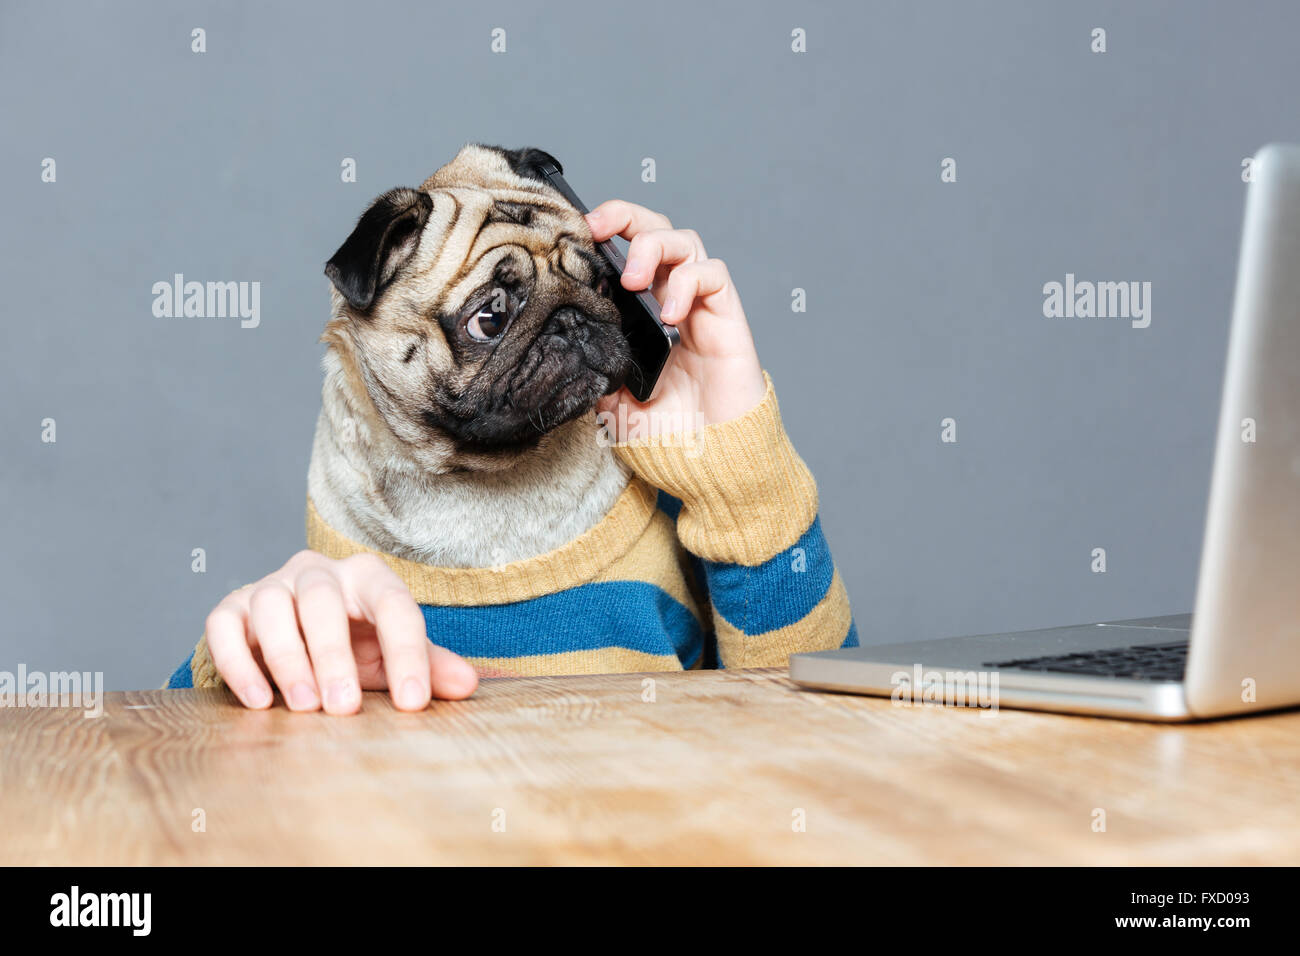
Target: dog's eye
[(486, 325)]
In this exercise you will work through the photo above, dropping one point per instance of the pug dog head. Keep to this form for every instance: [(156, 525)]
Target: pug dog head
[(475, 311)]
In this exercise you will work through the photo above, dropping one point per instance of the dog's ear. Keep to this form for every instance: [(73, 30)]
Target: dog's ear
[(385, 238)]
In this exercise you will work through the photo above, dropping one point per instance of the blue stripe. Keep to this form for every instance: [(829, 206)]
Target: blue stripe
[(776, 593), (182, 676), (631, 614), (852, 639)]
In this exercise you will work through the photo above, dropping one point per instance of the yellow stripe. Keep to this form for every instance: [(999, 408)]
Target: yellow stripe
[(824, 628), (203, 671), (605, 660), (577, 562)]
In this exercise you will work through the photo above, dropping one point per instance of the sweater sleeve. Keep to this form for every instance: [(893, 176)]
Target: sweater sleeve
[(197, 670), (749, 513)]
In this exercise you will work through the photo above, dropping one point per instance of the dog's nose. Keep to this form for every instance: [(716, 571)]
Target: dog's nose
[(567, 321)]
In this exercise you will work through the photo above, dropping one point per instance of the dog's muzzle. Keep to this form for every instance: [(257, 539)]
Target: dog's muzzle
[(575, 358), (597, 343)]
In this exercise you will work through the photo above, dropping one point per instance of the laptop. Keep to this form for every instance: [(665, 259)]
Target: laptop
[(1239, 652)]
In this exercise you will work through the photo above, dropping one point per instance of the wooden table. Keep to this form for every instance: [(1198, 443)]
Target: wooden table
[(704, 767)]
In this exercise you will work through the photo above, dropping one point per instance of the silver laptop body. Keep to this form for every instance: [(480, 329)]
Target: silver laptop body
[(1240, 651)]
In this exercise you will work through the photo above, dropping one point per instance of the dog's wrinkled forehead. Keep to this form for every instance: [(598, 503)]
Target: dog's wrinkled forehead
[(489, 215), (495, 218), (503, 173)]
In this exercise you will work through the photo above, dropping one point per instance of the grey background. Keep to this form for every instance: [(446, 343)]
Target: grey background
[(818, 170)]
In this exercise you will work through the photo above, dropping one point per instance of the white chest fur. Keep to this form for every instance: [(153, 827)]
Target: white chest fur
[(461, 519)]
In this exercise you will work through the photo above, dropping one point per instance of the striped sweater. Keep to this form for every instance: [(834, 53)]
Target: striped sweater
[(712, 556)]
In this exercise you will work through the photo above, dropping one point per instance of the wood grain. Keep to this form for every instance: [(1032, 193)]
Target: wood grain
[(584, 770)]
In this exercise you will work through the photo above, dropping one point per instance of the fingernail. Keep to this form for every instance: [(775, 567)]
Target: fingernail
[(593, 215), (633, 268), (256, 696), (341, 695), (302, 697), (410, 694), (669, 308)]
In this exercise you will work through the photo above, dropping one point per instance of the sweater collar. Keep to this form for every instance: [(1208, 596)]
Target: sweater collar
[(570, 565)]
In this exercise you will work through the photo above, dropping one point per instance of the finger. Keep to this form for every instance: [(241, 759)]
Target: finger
[(399, 623), (274, 624), (300, 562), (615, 217), (227, 634), (451, 676), (324, 621), (608, 404), (608, 407), (658, 247), (688, 282)]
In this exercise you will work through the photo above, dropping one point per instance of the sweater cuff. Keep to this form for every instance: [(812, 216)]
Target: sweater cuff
[(203, 669), (746, 494)]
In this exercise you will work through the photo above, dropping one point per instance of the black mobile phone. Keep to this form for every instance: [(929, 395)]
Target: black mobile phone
[(649, 338)]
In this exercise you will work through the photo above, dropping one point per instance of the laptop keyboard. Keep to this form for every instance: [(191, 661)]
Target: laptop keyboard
[(1153, 662)]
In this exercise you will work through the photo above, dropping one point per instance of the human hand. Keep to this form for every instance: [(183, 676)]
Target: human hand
[(324, 630), (714, 374)]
